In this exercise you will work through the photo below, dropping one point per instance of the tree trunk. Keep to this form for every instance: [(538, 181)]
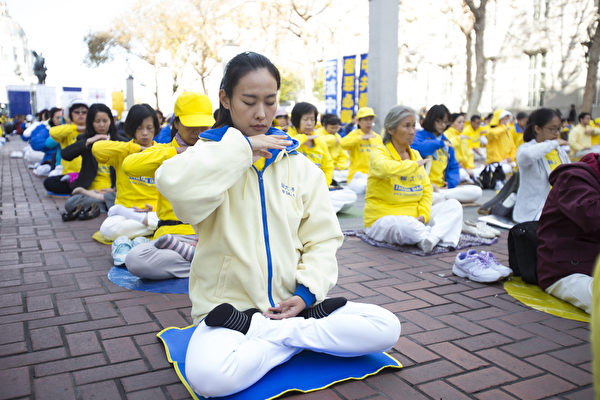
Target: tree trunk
[(592, 72), (469, 65), (479, 28)]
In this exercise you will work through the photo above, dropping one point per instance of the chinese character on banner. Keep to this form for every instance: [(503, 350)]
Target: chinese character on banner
[(331, 85), (348, 89), (363, 79)]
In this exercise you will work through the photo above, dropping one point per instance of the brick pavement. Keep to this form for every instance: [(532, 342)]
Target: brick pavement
[(66, 332)]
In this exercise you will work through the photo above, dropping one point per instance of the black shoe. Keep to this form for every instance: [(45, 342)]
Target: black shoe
[(92, 212), (70, 216)]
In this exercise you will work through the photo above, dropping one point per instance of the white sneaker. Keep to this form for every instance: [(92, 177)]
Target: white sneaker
[(473, 267), (490, 260), (119, 249), (139, 240)]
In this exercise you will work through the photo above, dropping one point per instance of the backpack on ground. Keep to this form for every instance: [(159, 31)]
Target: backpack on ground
[(522, 251), (491, 174)]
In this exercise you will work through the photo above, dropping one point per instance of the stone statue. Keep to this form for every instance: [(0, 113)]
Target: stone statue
[(39, 68)]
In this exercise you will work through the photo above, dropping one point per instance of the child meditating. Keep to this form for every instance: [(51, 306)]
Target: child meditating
[(267, 238)]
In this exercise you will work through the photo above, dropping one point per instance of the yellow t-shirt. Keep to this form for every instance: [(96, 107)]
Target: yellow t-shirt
[(396, 186), (319, 154), (553, 159), (462, 151), (102, 179), (500, 145), (360, 150), (66, 135), (132, 191), (145, 164)]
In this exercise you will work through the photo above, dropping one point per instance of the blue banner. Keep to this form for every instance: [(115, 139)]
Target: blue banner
[(348, 88), (19, 103), (363, 80), (331, 86)]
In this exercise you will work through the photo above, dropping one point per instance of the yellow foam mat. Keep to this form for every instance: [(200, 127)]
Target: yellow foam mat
[(99, 238), (535, 297)]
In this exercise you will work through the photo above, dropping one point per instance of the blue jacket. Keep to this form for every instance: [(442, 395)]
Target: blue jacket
[(164, 135), (426, 144), (37, 141)]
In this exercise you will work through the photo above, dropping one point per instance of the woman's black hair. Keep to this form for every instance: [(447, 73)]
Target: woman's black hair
[(91, 115), (454, 117), (136, 115), (436, 112), (53, 111), (174, 129), (301, 109), (539, 118), (330, 119), (235, 70)]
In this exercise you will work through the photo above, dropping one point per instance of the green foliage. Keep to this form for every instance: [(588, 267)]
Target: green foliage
[(319, 84), (291, 85), (99, 47)]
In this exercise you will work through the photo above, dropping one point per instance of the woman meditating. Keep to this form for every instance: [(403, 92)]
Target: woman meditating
[(267, 238), (399, 195)]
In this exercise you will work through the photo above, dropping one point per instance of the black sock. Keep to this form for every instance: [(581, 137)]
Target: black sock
[(226, 316), (324, 308)]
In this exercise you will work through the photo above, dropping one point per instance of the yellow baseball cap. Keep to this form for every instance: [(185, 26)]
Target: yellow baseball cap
[(194, 109), (364, 112)]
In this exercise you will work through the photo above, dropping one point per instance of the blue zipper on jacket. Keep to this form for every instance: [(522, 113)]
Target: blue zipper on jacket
[(266, 235)]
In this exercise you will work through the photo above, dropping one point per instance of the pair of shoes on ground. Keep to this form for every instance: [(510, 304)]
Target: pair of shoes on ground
[(479, 267), (480, 229), (121, 246), (82, 213)]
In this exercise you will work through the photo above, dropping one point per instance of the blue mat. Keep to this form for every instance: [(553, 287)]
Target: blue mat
[(305, 372), (52, 194), (121, 277)]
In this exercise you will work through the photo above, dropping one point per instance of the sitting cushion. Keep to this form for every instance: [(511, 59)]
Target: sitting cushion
[(305, 372)]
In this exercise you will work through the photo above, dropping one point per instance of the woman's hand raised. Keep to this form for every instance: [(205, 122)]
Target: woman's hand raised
[(262, 143)]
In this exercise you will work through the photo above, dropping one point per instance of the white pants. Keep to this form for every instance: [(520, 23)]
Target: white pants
[(358, 184), (575, 289), (340, 175), (462, 193), (148, 262), (119, 223), (342, 199), (445, 224), (221, 361), (32, 156)]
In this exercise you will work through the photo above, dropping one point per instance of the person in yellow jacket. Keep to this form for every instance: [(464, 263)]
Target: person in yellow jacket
[(329, 134), (267, 237), (133, 214), (170, 253), (475, 131), (66, 135), (500, 145), (584, 138), (314, 146), (360, 143), (398, 201), (460, 142)]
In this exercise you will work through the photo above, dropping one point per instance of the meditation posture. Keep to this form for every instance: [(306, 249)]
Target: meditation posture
[(132, 215), (500, 149), (329, 134), (315, 148), (460, 142), (360, 142), (537, 158), (584, 138), (170, 253), (444, 173), (398, 202), (569, 232), (267, 238), (93, 189), (66, 135)]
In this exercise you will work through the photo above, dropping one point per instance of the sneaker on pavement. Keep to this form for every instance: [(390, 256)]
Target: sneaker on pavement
[(119, 249), (473, 267), (489, 258)]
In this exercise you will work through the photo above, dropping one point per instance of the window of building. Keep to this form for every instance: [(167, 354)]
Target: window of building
[(537, 78), (541, 8)]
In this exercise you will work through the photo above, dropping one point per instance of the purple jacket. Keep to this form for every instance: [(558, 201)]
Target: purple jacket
[(569, 227)]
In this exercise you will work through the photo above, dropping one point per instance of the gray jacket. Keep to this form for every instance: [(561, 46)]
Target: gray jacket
[(533, 178)]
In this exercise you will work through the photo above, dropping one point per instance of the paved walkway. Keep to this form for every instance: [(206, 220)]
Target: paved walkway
[(66, 332)]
